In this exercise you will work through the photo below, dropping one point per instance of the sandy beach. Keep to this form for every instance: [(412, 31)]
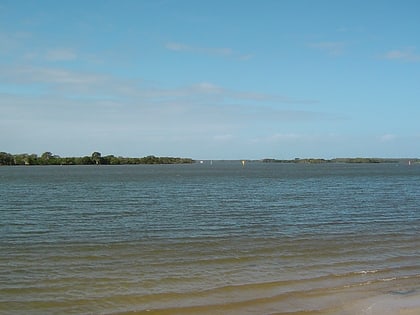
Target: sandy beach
[(325, 303), (396, 303)]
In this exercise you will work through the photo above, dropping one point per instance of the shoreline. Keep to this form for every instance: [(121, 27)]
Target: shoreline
[(347, 300), (385, 304), (96, 158), (393, 303)]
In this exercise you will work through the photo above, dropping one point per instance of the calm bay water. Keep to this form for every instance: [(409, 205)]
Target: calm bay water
[(207, 239)]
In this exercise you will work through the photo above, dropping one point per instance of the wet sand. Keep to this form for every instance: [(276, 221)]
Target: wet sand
[(343, 303), (387, 304)]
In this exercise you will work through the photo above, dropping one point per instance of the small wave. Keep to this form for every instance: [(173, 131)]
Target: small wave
[(388, 279), (403, 292), (364, 272)]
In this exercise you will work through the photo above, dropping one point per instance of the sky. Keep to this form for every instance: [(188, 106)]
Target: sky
[(219, 79)]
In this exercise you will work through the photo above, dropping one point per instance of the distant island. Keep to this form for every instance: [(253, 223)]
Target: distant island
[(342, 160), (96, 158)]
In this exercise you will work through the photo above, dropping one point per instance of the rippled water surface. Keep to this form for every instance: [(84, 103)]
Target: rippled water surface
[(206, 239)]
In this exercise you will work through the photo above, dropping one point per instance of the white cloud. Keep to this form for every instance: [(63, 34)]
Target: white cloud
[(212, 90), (331, 48), (50, 90), (107, 107), (58, 80), (208, 88), (213, 51), (196, 49), (388, 138), (405, 55), (205, 98), (11, 41), (59, 76), (177, 46), (246, 57), (60, 55), (20, 46), (224, 137), (285, 137)]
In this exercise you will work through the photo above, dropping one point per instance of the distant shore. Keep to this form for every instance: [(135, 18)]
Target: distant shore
[(345, 160), (96, 158)]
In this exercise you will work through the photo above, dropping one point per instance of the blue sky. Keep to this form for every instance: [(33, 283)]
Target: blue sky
[(211, 79)]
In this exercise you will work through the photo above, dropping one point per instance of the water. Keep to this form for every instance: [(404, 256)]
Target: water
[(208, 239)]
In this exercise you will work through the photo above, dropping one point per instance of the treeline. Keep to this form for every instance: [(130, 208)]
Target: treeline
[(47, 158), (297, 160), (337, 160)]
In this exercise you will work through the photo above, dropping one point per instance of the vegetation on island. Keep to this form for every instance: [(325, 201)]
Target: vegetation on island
[(96, 158), (297, 160), (338, 160)]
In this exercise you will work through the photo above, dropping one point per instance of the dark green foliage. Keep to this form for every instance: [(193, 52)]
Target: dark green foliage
[(365, 160), (338, 160), (6, 159), (47, 158), (96, 158), (297, 160)]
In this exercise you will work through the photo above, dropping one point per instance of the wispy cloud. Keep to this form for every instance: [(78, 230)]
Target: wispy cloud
[(12, 41), (60, 55), (387, 138), (89, 85), (289, 138), (331, 48), (408, 55), (202, 92), (50, 76), (56, 90), (178, 47), (352, 29), (23, 47), (212, 51), (205, 50), (224, 138), (103, 106), (285, 137), (212, 90)]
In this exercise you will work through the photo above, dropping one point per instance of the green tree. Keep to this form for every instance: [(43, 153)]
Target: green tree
[(96, 158), (46, 157), (6, 159)]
